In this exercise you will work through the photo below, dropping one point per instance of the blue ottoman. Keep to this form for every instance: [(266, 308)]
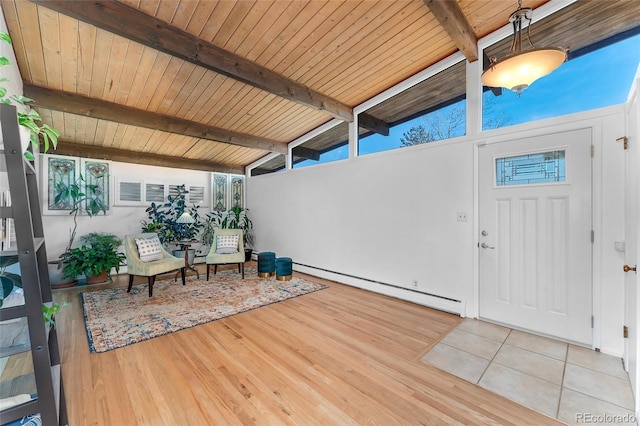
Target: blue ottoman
[(266, 264), (284, 269)]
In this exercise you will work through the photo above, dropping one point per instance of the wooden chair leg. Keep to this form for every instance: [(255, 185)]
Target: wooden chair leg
[(208, 271), (215, 269), (183, 272), (152, 280), (242, 267), (130, 283)]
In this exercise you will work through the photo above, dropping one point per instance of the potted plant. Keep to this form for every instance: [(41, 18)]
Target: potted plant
[(164, 220), (95, 258), (79, 197)]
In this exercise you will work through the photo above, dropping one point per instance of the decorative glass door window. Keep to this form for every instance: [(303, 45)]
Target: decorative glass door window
[(60, 171), (237, 191), (97, 173), (227, 191), (542, 167), (220, 190), (67, 171)]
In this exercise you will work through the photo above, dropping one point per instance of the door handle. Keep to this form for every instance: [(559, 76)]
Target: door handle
[(627, 268), (486, 246)]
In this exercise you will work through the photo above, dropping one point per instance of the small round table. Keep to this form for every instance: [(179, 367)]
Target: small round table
[(184, 245)]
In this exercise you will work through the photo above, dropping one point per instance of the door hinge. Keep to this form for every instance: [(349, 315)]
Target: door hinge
[(593, 236), (592, 321), (593, 151), (625, 331)]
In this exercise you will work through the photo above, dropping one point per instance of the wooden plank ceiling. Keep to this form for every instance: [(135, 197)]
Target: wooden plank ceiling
[(216, 85)]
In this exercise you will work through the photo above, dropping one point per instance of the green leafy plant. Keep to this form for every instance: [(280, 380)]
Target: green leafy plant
[(97, 254), (31, 119), (81, 197), (48, 312), (101, 239), (208, 226), (234, 218), (163, 218)]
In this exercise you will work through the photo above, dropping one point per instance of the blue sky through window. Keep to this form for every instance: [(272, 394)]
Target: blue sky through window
[(598, 79), (376, 142)]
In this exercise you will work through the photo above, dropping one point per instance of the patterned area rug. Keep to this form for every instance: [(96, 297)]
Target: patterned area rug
[(115, 318)]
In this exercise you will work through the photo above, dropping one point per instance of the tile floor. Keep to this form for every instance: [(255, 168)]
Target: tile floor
[(567, 382)]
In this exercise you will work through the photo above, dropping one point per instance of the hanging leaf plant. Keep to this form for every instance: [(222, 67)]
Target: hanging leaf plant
[(31, 119)]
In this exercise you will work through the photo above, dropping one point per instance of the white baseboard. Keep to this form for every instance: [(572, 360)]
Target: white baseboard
[(429, 300)]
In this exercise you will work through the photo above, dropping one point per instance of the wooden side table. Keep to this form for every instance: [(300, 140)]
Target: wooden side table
[(184, 245)]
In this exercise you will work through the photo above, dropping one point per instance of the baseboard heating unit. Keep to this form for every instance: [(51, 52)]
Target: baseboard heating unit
[(415, 296)]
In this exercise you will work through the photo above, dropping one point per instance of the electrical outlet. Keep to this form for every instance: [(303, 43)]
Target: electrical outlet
[(462, 216)]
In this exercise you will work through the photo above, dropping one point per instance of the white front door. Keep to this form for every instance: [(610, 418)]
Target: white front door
[(535, 243)]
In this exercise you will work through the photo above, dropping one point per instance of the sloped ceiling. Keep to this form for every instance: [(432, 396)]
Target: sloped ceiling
[(216, 85)]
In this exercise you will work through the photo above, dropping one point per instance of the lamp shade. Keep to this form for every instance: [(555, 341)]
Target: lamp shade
[(185, 218), (517, 72)]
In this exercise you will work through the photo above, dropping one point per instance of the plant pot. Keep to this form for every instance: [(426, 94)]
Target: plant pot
[(98, 279), (180, 254), (247, 254), (56, 278)]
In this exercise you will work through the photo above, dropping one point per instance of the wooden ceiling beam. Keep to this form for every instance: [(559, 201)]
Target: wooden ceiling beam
[(374, 124), (150, 159), (96, 108), (306, 153), (133, 24), (452, 18)]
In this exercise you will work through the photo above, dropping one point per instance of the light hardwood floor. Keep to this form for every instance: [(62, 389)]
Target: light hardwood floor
[(338, 356)]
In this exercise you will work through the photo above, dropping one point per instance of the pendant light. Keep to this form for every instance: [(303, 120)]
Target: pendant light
[(519, 69)]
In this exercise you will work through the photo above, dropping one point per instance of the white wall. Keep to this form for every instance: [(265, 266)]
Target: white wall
[(120, 220), (391, 217), (376, 217)]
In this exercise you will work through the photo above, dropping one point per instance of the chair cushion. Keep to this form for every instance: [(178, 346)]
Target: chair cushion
[(149, 249), (227, 244)]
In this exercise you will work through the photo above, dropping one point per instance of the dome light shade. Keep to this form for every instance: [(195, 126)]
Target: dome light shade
[(519, 69), (517, 72)]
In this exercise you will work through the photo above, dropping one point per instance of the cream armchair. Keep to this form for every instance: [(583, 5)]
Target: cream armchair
[(225, 251), (135, 266)]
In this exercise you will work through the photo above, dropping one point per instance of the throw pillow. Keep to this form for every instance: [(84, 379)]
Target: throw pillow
[(227, 244), (149, 249)]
